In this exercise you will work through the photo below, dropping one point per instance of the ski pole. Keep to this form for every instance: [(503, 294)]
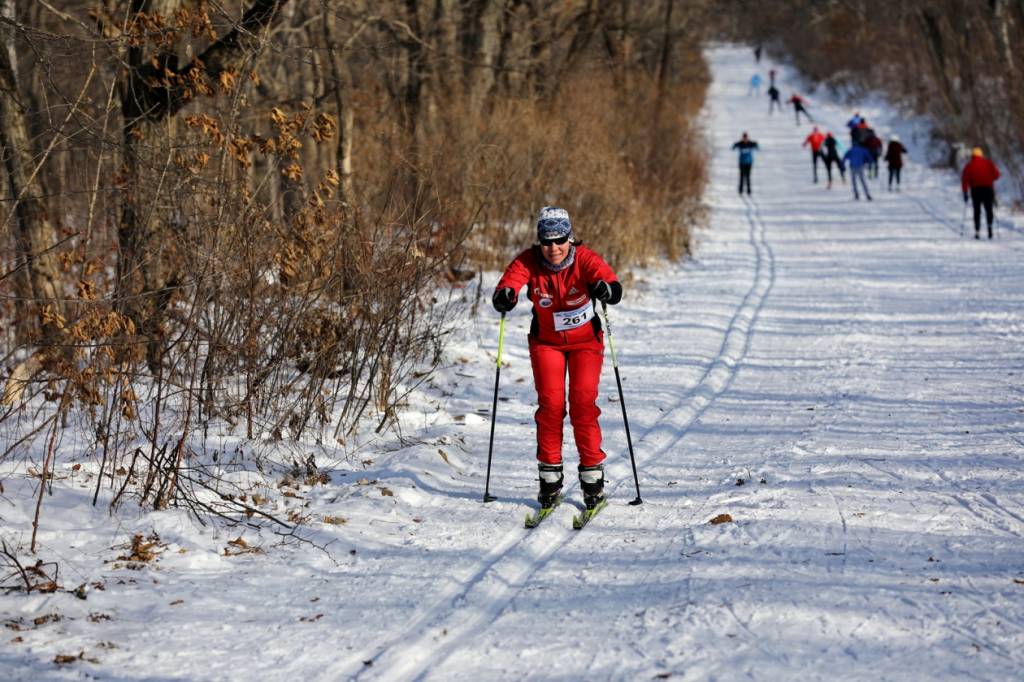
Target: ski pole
[(488, 497), (963, 220), (622, 401)]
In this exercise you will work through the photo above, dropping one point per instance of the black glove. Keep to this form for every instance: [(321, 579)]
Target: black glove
[(504, 300), (965, 197), (601, 291)]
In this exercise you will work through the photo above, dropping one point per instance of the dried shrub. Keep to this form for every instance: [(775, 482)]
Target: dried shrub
[(269, 239)]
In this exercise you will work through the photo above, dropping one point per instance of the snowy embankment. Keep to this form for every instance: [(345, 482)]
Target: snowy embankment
[(842, 379)]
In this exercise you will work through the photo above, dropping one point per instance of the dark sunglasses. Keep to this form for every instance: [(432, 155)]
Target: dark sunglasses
[(556, 240)]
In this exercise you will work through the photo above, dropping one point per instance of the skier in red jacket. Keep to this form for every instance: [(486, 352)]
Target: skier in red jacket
[(979, 176), (799, 107), (563, 278), (815, 139)]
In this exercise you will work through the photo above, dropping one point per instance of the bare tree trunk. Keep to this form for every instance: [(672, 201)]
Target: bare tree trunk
[(483, 50), (585, 25), (414, 92), (618, 44), (500, 80), (539, 72), (967, 37), (143, 263), (292, 188), (145, 266), (39, 306), (341, 88), (34, 233), (664, 59), (1001, 28), (445, 35), (936, 50)]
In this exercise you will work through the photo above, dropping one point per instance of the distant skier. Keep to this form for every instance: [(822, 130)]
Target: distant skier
[(798, 107), (979, 177), (860, 133), (755, 85), (757, 54), (858, 157), (894, 158), (874, 145), (773, 93), (853, 124), (563, 280), (746, 147), (771, 76), (815, 140), (833, 155)]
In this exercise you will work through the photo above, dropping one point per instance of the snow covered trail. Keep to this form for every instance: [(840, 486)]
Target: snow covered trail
[(856, 366), (860, 360), (842, 378)]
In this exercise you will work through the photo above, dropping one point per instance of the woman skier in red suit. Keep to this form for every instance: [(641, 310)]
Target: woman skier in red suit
[(563, 279)]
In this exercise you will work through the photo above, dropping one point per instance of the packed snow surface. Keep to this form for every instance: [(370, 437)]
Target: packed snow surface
[(842, 379)]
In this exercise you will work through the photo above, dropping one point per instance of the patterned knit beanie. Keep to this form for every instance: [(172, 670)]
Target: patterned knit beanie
[(553, 222)]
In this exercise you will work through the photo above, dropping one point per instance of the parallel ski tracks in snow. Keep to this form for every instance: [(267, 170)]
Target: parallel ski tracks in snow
[(966, 224), (467, 608)]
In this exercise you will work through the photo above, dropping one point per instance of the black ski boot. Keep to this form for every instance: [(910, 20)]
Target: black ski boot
[(550, 484), (592, 482)]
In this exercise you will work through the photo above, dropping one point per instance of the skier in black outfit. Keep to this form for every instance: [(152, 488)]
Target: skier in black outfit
[(773, 92), (894, 157), (746, 147), (833, 154)]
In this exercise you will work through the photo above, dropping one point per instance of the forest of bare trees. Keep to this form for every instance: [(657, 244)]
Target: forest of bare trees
[(257, 211), (960, 62)]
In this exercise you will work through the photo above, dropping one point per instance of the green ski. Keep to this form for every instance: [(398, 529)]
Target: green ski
[(580, 520), (533, 520)]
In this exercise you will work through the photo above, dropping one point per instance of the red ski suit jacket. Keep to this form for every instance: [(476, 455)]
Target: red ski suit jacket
[(565, 338), (815, 140), (559, 292), (979, 172)]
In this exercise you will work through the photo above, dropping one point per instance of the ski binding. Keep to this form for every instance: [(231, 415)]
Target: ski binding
[(533, 519), (580, 520)]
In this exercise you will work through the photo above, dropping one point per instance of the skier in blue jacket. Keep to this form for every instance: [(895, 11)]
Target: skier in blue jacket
[(755, 85), (853, 124), (858, 157), (746, 146)]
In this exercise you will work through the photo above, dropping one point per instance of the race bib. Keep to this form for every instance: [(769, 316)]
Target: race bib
[(570, 319)]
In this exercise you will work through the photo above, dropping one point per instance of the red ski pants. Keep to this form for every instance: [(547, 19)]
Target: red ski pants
[(583, 363)]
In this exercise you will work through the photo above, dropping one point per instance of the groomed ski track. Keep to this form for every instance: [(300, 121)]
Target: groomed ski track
[(857, 365)]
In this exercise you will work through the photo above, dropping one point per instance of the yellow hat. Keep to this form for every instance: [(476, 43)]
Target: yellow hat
[(977, 152)]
